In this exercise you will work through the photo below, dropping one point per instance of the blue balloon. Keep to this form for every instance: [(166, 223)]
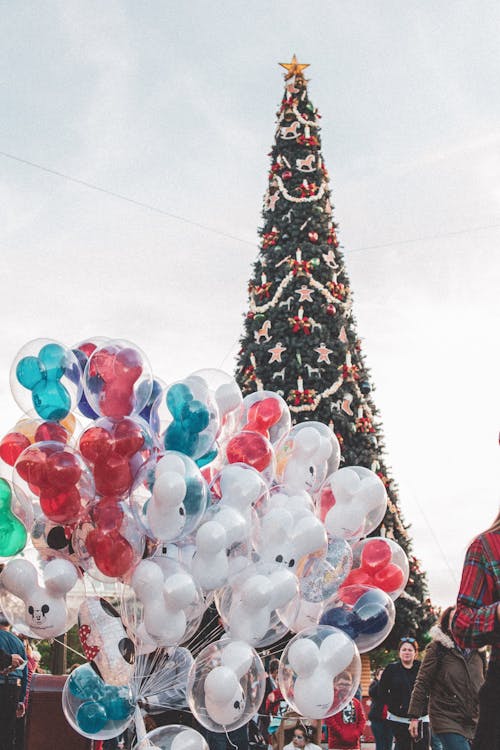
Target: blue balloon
[(52, 357), (178, 395), (341, 618), (371, 611), (85, 684), (28, 372), (146, 412), (91, 717), (41, 375)]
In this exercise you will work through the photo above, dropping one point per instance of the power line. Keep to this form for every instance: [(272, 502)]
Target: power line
[(227, 235)]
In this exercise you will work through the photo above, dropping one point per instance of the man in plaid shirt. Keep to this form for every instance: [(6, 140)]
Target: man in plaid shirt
[(477, 623)]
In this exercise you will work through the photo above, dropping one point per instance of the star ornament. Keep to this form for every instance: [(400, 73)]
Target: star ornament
[(293, 68), (305, 294), (276, 352), (324, 353)]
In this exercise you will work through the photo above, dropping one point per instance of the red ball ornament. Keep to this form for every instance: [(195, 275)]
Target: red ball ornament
[(313, 237), (330, 309), (287, 175)]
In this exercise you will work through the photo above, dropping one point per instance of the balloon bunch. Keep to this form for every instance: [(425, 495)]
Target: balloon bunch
[(179, 496)]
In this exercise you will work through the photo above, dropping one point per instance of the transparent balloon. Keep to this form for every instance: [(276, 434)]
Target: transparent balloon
[(164, 605), (109, 542), (339, 555), (82, 351), (227, 395), (226, 685), (364, 613), (310, 453), (56, 479), (93, 708), (252, 449), (319, 671), (117, 380), (35, 430), (186, 418), (352, 502), (116, 450), (40, 598), (251, 603), (46, 377), (105, 642), (267, 413), (173, 737), (379, 562), (170, 497)]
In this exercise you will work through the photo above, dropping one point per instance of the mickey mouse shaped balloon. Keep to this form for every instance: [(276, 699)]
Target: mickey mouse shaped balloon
[(105, 641), (170, 498), (226, 685), (352, 502), (46, 614), (311, 664), (46, 376)]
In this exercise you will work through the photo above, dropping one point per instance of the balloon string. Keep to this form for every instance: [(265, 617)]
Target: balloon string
[(230, 740), (78, 653)]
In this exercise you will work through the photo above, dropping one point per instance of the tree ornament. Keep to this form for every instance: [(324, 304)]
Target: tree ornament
[(323, 353), (294, 68), (365, 387), (331, 309), (313, 237), (276, 352), (287, 175)]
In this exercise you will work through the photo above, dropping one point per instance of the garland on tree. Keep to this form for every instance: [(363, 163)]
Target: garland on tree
[(300, 336)]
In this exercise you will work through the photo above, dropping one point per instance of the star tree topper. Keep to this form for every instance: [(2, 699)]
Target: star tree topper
[(294, 68)]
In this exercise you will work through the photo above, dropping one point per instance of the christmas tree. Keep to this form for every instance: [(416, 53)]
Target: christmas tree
[(300, 336)]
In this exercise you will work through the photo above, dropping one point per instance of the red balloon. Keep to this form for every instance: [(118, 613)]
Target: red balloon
[(11, 447), (326, 501), (51, 431), (350, 593), (62, 471), (112, 553), (96, 443), (32, 468), (375, 555), (262, 415), (107, 514), (389, 578), (250, 448), (61, 507), (128, 438), (119, 372), (112, 475), (358, 576)]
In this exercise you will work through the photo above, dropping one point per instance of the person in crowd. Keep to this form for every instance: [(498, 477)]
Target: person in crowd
[(448, 682), (302, 739), (395, 689), (33, 658), (13, 681), (276, 708), (378, 715), (271, 685), (345, 727), (476, 623)]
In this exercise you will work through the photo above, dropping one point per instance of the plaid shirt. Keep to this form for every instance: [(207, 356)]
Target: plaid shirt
[(475, 623)]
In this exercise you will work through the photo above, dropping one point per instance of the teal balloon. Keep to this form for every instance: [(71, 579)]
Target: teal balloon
[(195, 416), (116, 703), (28, 372), (178, 395), (85, 684), (51, 400), (91, 717), (13, 535), (52, 357)]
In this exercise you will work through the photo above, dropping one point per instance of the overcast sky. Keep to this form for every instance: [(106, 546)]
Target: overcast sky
[(173, 105)]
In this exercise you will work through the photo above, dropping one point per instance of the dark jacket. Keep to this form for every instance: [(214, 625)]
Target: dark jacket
[(396, 685), (378, 710), (449, 682)]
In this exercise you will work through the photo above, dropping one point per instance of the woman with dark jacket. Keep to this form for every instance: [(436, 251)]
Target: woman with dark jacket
[(396, 685), (448, 681), (378, 715)]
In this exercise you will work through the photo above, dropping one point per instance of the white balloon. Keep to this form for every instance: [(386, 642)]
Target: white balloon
[(210, 565), (170, 462), (189, 739), (303, 657), (313, 695)]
